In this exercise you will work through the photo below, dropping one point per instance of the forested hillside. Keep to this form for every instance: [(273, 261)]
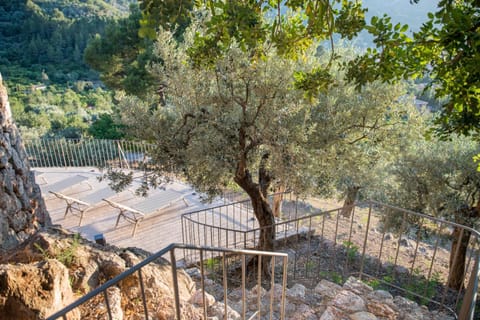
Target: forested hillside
[(53, 91), (51, 35)]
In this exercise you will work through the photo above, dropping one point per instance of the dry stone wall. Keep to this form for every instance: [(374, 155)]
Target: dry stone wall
[(22, 209)]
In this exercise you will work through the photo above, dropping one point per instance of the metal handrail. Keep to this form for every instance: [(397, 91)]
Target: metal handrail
[(171, 249), (231, 236)]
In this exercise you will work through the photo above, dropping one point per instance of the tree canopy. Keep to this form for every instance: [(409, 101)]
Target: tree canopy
[(122, 56), (446, 49)]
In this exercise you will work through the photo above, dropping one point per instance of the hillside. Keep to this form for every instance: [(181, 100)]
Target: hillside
[(53, 91), (50, 36)]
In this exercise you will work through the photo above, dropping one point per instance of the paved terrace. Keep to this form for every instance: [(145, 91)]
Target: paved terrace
[(154, 232)]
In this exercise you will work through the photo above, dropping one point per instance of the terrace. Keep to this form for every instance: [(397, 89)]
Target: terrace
[(319, 240)]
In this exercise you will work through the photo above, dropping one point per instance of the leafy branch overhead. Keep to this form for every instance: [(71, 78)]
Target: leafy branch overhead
[(445, 49), (290, 26)]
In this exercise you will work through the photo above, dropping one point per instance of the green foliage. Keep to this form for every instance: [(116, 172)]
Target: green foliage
[(122, 56), (352, 250), (447, 48), (245, 24), (359, 132), (43, 43), (51, 36), (333, 276), (420, 286), (105, 128), (57, 112), (374, 283), (199, 130), (435, 177), (66, 256)]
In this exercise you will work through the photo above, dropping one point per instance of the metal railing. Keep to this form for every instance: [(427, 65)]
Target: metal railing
[(227, 259), (412, 259), (86, 153), (231, 225)]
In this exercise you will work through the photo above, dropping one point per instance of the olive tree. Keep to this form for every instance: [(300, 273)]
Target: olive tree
[(439, 178), (240, 120), (358, 132)]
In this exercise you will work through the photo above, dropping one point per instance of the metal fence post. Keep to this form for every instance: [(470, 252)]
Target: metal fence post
[(175, 283)]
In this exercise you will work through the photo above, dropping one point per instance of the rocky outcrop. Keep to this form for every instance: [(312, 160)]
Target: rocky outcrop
[(44, 273), (34, 291), (53, 267), (22, 209), (327, 301)]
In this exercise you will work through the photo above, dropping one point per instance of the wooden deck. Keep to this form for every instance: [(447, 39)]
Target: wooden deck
[(153, 233)]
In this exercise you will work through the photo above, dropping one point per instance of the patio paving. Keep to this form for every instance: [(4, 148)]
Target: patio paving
[(154, 232)]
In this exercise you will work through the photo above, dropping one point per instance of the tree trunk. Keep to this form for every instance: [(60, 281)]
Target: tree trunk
[(458, 260), (264, 214), (278, 199), (466, 216), (347, 208)]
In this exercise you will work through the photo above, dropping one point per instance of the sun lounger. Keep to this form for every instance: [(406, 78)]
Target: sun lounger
[(64, 184), (136, 212), (78, 206)]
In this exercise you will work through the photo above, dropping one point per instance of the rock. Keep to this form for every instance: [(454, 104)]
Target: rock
[(297, 292), (115, 300), (111, 269), (332, 313), (252, 295), (218, 310), (363, 316), (303, 312), (277, 292), (405, 242), (357, 286), (194, 273), (33, 291), (349, 302), (382, 310), (198, 298), (404, 303), (327, 288), (92, 265), (380, 295), (388, 236)]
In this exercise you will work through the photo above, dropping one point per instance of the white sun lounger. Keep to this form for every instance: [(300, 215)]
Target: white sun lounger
[(136, 212), (78, 206), (64, 184)]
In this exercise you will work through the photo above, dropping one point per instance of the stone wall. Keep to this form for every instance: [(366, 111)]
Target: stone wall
[(22, 209)]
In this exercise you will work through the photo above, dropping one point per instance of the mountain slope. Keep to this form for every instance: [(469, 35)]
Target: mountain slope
[(50, 35)]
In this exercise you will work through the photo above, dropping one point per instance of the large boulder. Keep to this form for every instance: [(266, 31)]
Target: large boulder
[(34, 291), (88, 265)]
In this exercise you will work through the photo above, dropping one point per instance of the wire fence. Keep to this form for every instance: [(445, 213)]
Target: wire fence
[(417, 257), (87, 153)]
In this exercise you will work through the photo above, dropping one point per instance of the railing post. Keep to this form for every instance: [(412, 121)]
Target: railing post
[(175, 283), (142, 288), (468, 306)]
